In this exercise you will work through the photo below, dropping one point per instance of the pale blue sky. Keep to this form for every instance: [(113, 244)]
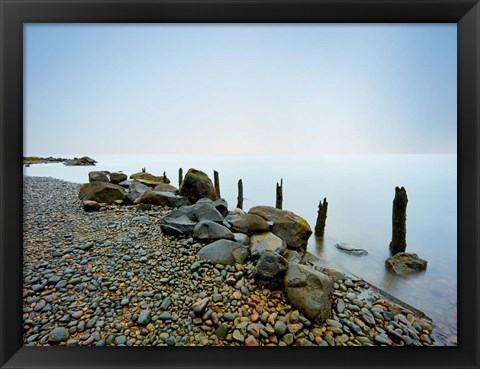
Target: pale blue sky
[(240, 89)]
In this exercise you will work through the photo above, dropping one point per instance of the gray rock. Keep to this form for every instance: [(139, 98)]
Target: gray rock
[(291, 228), (97, 176), (120, 340), (242, 238), (405, 263), (177, 226), (196, 185), (165, 187), (224, 252), (222, 331), (266, 241), (238, 336), (270, 266), (248, 224), (118, 177), (166, 303), (162, 199), (222, 206), (58, 335), (207, 230), (101, 192), (144, 318), (346, 247), (126, 183), (280, 328), (309, 291), (206, 211), (200, 306)]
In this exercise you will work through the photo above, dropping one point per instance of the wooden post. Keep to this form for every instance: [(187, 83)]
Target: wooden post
[(217, 183), (279, 201), (399, 218), (240, 194), (180, 177), (143, 170), (165, 177), (321, 218)]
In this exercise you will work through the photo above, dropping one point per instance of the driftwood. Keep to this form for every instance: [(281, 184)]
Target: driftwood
[(399, 218), (180, 177), (240, 194), (321, 218)]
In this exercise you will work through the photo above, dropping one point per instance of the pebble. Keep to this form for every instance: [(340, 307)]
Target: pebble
[(238, 336), (58, 335)]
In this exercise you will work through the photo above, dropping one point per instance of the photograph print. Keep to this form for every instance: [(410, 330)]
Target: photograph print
[(240, 185)]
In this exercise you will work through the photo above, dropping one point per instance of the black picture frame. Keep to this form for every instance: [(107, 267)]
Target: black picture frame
[(466, 13)]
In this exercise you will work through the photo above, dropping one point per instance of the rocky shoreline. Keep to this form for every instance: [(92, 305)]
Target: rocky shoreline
[(115, 277), (83, 161)]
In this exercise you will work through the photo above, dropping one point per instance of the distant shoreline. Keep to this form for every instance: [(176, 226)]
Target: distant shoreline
[(83, 161)]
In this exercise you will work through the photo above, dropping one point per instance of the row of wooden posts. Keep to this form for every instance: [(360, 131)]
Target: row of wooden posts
[(399, 211)]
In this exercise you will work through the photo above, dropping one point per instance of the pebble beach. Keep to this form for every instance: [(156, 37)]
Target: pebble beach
[(113, 278)]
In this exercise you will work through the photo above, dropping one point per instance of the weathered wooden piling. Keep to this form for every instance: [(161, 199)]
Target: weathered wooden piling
[(143, 170), (279, 202), (321, 218), (165, 177), (216, 182), (399, 218), (180, 177), (240, 194)]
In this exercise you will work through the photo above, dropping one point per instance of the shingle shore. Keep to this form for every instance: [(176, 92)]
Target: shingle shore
[(113, 278)]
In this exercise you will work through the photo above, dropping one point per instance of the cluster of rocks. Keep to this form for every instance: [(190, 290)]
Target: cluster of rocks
[(83, 161), (194, 274)]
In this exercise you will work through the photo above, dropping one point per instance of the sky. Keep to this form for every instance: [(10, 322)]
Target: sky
[(221, 89)]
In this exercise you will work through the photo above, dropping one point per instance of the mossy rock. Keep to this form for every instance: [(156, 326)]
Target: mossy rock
[(152, 179), (197, 185), (290, 227), (101, 192)]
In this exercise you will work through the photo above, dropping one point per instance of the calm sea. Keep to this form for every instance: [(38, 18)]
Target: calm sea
[(360, 191)]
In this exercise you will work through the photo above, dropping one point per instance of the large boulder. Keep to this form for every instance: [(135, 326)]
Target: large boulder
[(149, 179), (165, 187), (309, 291), (196, 185), (224, 252), (291, 228), (135, 190), (101, 192), (266, 241), (181, 226), (206, 230), (206, 211), (162, 199), (98, 176), (117, 177), (405, 263), (270, 270), (248, 224), (198, 212)]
